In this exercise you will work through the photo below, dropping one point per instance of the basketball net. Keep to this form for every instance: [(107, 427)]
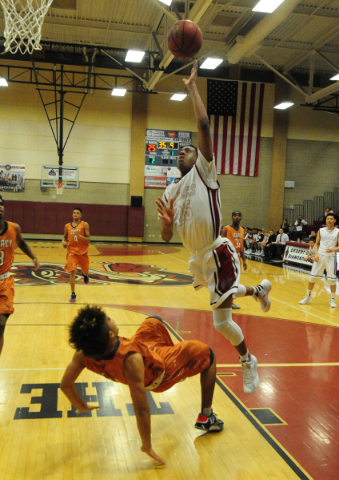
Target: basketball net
[(23, 23), (59, 188)]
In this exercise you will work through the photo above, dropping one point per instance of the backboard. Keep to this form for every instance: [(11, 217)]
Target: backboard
[(50, 176)]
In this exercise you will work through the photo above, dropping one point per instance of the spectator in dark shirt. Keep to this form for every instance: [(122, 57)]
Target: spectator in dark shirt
[(271, 239)]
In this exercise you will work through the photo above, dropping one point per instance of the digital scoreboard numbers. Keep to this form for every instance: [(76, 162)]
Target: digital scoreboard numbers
[(162, 149)]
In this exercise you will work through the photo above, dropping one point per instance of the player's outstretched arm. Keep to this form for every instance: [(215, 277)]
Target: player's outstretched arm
[(24, 247), (134, 374), (204, 134), (67, 383), (166, 214)]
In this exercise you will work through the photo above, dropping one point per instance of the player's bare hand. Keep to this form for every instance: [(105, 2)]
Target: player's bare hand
[(329, 250), (194, 75), (36, 264), (88, 408), (64, 243), (166, 213), (245, 265), (316, 258), (151, 453)]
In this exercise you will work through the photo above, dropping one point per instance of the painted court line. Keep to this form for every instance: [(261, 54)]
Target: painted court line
[(328, 364)]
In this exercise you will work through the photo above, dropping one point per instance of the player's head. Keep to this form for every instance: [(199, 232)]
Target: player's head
[(188, 156), (236, 217), (77, 213), (331, 219), (93, 332)]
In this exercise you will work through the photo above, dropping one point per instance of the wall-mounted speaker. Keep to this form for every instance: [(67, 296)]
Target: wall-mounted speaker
[(136, 201)]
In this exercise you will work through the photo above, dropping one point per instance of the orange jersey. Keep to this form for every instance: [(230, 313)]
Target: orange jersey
[(160, 356), (236, 237), (75, 244), (7, 245)]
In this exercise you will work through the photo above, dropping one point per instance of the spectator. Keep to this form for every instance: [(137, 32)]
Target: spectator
[(278, 247), (312, 237), (270, 240), (327, 211), (261, 245), (284, 225), (258, 239)]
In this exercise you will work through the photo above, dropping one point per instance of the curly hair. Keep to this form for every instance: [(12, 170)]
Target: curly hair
[(2, 201), (89, 331)]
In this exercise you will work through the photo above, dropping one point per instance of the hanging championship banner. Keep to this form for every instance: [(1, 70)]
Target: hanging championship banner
[(12, 177)]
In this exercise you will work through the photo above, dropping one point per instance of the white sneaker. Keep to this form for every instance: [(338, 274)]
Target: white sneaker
[(333, 304), (250, 374), (265, 302), (235, 307), (307, 299)]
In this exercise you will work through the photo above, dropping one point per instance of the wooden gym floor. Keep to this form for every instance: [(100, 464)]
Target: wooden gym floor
[(288, 429)]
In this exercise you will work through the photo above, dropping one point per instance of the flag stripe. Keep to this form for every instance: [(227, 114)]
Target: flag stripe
[(236, 139)]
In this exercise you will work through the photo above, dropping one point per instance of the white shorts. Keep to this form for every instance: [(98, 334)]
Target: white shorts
[(218, 270), (319, 267)]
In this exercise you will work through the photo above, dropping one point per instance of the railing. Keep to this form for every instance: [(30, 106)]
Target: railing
[(312, 210)]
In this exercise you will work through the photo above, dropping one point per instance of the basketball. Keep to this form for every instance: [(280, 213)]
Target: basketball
[(184, 39)]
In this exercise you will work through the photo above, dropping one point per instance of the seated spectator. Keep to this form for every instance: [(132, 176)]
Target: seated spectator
[(284, 225), (278, 247), (251, 240), (257, 238), (291, 228), (311, 237), (260, 249), (270, 240), (310, 254), (248, 239)]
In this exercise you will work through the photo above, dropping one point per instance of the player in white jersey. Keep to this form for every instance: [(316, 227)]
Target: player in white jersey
[(193, 206), (327, 243)]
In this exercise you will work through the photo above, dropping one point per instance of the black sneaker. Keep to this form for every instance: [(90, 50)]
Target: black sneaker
[(73, 298), (209, 424), (86, 280)]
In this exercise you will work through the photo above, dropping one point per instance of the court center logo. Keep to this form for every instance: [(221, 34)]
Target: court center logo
[(123, 273)]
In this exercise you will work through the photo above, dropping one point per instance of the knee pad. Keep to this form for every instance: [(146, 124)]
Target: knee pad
[(222, 318), (312, 279)]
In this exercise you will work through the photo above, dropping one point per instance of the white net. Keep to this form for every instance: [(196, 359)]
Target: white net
[(23, 22)]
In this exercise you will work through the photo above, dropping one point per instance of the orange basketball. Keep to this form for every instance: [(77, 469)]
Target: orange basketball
[(184, 39)]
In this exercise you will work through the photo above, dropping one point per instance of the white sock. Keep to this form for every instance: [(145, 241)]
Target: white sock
[(308, 293), (243, 358), (333, 296), (241, 291)]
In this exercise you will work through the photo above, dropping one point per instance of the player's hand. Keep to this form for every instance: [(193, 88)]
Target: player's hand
[(316, 258), (88, 408), (64, 243), (36, 264), (151, 453), (329, 250), (194, 75), (245, 265), (165, 213)]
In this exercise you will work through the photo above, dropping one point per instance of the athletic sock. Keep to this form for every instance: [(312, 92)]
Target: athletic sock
[(333, 296), (243, 358), (257, 289), (309, 293), (207, 411)]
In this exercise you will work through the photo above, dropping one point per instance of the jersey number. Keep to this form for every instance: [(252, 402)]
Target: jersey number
[(2, 257), (75, 238), (238, 243)]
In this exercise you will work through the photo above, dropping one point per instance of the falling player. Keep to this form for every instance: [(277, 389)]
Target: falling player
[(235, 234), (76, 240), (325, 248), (147, 361), (193, 205), (9, 236)]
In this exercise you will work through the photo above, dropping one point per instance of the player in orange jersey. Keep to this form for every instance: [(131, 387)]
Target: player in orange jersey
[(10, 234), (235, 233), (76, 240), (147, 361)]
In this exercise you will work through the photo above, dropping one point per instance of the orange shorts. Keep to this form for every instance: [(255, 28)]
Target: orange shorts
[(7, 295), (182, 360), (74, 260)]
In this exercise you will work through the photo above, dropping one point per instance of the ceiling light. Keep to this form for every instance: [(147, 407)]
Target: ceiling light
[(336, 77), (267, 6), (3, 82), (167, 2), (284, 105), (119, 92), (135, 56), (179, 96), (211, 63)]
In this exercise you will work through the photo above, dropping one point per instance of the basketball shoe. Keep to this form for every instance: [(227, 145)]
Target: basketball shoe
[(262, 295), (333, 304), (86, 280), (305, 300), (209, 424), (73, 298), (250, 374)]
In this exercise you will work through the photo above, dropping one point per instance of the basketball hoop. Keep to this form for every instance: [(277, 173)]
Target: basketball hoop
[(23, 23), (59, 188)]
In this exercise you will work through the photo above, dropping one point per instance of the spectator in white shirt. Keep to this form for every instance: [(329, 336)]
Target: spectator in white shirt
[(278, 247)]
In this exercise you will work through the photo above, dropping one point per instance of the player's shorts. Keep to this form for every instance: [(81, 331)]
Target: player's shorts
[(218, 270), (325, 262), (73, 261), (182, 360), (7, 295)]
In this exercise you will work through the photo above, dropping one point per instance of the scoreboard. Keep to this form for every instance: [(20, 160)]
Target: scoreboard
[(162, 149)]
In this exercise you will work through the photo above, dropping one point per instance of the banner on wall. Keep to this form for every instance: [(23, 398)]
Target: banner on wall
[(12, 177)]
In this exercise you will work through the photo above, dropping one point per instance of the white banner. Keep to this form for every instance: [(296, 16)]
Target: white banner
[(12, 177), (296, 255)]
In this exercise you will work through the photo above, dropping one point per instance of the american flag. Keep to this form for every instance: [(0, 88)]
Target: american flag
[(235, 113)]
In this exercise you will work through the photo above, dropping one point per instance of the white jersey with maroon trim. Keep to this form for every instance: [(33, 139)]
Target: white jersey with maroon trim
[(328, 239), (197, 209)]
